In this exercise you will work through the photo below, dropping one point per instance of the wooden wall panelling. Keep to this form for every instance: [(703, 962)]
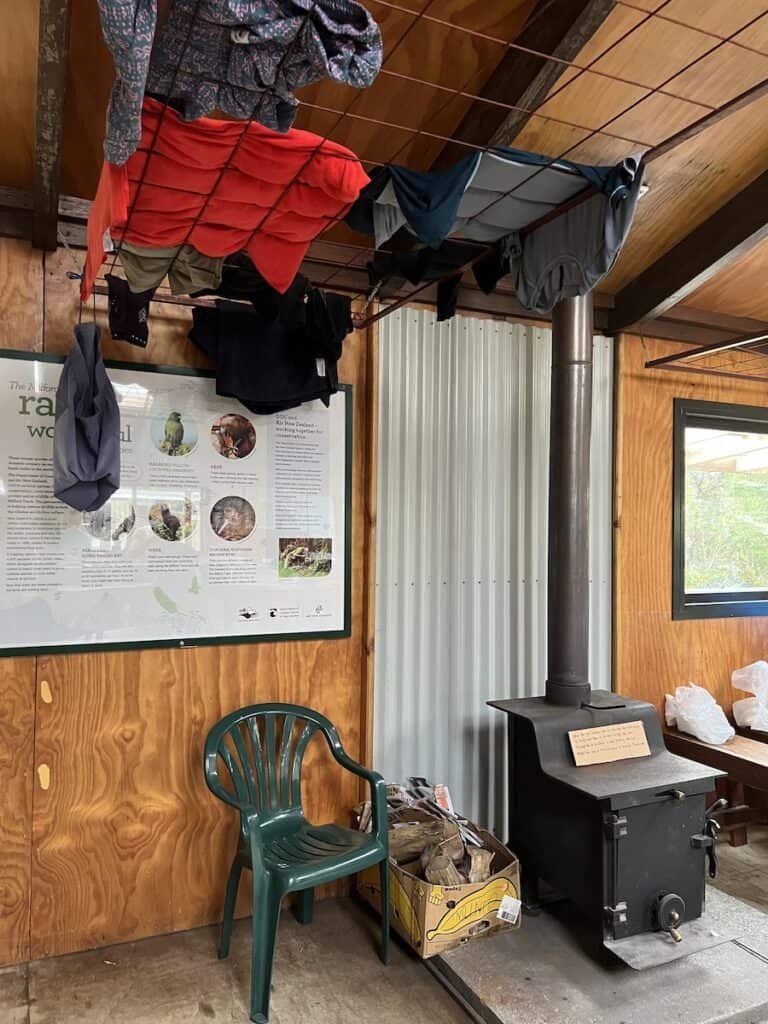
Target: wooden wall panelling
[(369, 514), (17, 695), (21, 326), (652, 653), (18, 71), (21, 295), (127, 840)]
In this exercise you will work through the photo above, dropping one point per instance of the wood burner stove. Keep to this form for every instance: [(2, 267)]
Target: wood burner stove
[(626, 841)]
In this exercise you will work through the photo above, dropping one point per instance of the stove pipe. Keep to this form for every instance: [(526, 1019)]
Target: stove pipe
[(570, 435)]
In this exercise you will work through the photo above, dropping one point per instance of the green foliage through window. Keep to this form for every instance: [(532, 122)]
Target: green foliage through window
[(726, 510)]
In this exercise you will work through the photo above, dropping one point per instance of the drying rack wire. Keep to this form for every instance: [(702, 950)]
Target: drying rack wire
[(744, 358), (650, 152)]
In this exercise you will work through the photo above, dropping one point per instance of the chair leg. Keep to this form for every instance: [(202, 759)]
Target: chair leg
[(233, 883), (266, 914), (384, 874), (305, 905)]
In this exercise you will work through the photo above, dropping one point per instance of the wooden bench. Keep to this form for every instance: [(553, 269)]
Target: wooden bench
[(746, 762)]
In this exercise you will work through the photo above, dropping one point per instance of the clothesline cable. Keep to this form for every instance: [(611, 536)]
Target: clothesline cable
[(583, 70), (578, 68), (330, 221), (326, 138), (626, 110), (698, 28), (416, 18), (648, 157), (660, 150), (487, 37), (652, 154), (454, 93)]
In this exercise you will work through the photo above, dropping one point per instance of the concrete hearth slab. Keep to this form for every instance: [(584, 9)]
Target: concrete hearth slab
[(548, 973)]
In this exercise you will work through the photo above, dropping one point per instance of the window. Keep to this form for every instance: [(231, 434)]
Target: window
[(720, 510)]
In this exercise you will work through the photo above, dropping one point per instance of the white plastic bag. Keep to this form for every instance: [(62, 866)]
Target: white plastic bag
[(754, 679), (752, 711), (694, 710)]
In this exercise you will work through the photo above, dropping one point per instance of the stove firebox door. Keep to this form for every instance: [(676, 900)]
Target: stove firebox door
[(649, 857)]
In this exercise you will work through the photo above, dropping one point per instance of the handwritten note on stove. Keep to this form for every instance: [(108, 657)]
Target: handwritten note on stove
[(609, 743)]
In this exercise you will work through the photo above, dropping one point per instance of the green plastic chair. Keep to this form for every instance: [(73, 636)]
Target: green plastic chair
[(262, 748)]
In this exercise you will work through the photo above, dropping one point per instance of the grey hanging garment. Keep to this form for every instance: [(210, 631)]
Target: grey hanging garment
[(86, 443), (570, 255)]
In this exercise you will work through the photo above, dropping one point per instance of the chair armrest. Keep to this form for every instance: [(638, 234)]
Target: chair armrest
[(375, 781)]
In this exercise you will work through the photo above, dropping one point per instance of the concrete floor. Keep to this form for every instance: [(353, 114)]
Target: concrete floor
[(327, 971), (744, 869)]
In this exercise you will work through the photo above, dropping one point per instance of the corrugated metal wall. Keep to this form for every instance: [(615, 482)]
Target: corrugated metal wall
[(461, 544)]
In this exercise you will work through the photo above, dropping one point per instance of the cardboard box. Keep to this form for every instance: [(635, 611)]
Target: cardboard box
[(435, 918)]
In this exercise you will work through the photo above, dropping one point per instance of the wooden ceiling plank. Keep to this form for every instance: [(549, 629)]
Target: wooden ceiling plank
[(524, 79), (53, 49), (730, 232)]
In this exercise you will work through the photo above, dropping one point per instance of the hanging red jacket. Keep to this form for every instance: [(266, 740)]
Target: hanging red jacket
[(278, 192)]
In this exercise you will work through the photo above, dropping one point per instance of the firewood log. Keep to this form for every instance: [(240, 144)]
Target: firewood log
[(442, 871), (479, 864), (452, 847), (407, 841)]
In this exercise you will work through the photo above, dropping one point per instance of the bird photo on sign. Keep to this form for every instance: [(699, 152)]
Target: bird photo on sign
[(174, 433), (233, 436), (173, 520)]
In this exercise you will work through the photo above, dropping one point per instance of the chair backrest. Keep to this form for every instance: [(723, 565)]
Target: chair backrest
[(262, 748)]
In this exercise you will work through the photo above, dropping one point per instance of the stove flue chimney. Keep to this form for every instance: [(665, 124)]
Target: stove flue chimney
[(570, 435), (598, 807)]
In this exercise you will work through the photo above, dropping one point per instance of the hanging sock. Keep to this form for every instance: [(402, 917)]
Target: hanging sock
[(86, 442), (128, 312), (329, 321), (496, 263), (448, 297)]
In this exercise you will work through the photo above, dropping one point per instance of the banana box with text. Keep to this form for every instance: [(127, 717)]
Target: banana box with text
[(435, 918)]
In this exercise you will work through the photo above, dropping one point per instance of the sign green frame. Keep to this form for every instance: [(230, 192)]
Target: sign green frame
[(213, 641)]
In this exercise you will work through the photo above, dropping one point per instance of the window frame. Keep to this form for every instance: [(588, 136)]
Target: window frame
[(715, 416)]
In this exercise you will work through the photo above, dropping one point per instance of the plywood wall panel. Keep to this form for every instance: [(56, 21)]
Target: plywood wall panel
[(108, 832), (21, 320), (653, 654), (18, 73), (17, 695), (21, 295), (128, 841)]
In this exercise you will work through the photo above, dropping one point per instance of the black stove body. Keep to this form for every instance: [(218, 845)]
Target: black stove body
[(627, 842)]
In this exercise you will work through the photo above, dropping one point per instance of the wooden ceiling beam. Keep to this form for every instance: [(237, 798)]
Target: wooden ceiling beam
[(523, 79), (730, 232), (53, 48)]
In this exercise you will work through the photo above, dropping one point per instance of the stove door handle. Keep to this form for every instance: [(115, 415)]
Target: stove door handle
[(711, 828), (706, 842)]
